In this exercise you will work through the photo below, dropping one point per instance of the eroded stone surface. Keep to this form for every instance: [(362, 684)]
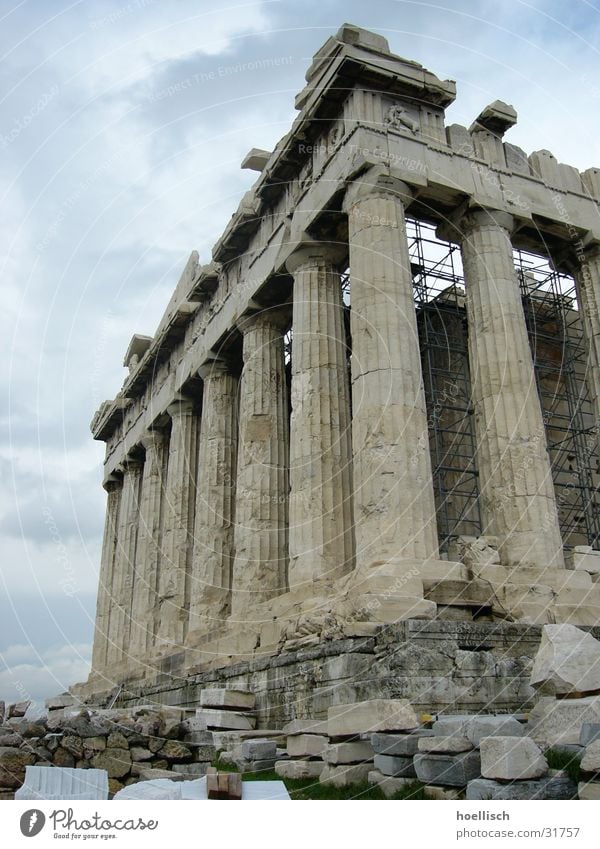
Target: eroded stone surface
[(568, 661), (511, 758), (374, 715)]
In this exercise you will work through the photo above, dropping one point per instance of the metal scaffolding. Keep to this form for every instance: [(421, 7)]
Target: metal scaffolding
[(559, 357)]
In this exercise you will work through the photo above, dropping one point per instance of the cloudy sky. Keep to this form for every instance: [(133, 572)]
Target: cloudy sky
[(122, 126)]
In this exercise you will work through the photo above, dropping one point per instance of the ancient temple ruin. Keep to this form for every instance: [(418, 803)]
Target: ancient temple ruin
[(364, 435)]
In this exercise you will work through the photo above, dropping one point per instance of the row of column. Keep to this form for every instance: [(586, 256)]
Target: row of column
[(345, 482)]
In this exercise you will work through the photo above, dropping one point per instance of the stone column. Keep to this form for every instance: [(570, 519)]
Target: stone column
[(124, 568), (262, 488), (586, 271), (106, 579), (148, 552), (394, 506), (321, 536), (210, 591), (173, 592), (515, 479)]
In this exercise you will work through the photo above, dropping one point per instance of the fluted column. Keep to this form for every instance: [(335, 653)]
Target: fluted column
[(210, 592), (124, 568), (106, 579), (262, 488), (394, 506), (515, 479), (148, 551), (178, 527), (321, 538), (586, 270)]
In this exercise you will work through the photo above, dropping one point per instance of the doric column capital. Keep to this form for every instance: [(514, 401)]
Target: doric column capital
[(570, 257), (463, 221), (214, 368), (180, 406), (132, 465), (276, 317), (308, 253), (153, 439), (113, 483), (377, 181)]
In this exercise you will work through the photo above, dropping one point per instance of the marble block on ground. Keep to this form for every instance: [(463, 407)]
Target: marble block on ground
[(259, 749), (493, 726), (567, 661), (299, 769), (561, 720), (451, 770), (399, 744), (512, 758), (557, 787), (53, 782), (306, 745), (445, 745), (348, 753), (394, 765)]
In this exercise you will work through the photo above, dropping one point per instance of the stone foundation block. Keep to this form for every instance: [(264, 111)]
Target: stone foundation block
[(232, 699), (306, 745), (399, 744), (305, 726), (226, 719), (195, 770), (348, 753), (445, 745), (261, 749), (450, 726), (373, 715), (299, 769), (396, 766), (448, 770)]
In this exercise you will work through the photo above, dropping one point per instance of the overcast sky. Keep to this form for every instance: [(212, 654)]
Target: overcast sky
[(122, 127)]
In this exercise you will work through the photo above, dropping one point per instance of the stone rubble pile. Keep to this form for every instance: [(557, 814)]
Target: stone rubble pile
[(131, 745)]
